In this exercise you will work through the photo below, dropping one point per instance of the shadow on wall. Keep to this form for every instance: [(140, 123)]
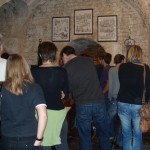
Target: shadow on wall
[(14, 8)]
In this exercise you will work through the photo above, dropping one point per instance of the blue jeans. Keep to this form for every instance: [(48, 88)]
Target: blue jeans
[(130, 121), (85, 114), (112, 111), (112, 114)]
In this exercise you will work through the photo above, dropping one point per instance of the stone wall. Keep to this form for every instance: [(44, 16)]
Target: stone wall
[(22, 33)]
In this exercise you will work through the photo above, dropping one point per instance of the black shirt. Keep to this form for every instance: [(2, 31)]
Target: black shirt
[(53, 80), (18, 112), (131, 78)]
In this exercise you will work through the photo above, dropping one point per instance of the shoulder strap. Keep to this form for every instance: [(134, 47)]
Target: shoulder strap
[(144, 79)]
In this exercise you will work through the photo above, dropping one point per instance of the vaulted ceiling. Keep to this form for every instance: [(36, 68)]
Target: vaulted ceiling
[(142, 6)]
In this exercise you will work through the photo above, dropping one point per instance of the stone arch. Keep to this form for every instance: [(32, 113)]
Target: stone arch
[(81, 44), (89, 48)]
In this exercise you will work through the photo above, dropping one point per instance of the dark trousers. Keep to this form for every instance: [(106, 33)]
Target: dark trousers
[(19, 143)]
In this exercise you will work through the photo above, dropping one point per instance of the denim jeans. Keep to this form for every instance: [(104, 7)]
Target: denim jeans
[(112, 115), (106, 99), (16, 143), (130, 121), (85, 114)]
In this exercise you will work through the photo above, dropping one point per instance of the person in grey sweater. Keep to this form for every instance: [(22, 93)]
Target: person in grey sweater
[(114, 86), (88, 97)]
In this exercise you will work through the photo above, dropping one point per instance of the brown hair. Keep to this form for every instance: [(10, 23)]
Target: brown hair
[(118, 58), (47, 51)]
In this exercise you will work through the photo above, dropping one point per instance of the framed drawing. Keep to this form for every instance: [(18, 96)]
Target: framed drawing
[(83, 21), (107, 28), (61, 29)]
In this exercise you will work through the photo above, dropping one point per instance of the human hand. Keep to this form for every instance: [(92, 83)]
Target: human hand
[(37, 143), (62, 95)]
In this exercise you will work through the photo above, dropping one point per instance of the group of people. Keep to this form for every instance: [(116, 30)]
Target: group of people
[(125, 87), (33, 114)]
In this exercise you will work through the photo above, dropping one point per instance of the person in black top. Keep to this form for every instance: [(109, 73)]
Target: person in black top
[(20, 97), (54, 82), (5, 55), (134, 78)]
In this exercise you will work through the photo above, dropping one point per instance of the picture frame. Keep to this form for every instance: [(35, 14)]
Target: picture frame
[(61, 29), (83, 21), (107, 28)]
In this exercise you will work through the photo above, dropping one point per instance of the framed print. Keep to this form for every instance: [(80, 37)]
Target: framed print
[(107, 28), (83, 21), (61, 29)]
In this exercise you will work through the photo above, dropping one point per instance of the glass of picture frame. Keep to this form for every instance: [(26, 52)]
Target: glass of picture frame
[(61, 29), (83, 21), (107, 28)]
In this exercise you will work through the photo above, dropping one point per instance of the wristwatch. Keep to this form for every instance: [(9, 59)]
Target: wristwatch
[(39, 139)]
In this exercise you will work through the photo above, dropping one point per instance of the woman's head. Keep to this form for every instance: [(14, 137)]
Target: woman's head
[(134, 54), (17, 71), (47, 51), (119, 58)]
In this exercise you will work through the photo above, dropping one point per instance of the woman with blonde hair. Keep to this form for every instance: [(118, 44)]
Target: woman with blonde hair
[(133, 78), (20, 97)]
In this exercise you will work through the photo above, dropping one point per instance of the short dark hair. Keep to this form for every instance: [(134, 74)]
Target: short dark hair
[(118, 58), (107, 58), (47, 51), (68, 50), (5, 55)]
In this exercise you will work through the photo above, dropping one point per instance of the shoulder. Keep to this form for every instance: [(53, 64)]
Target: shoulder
[(125, 65), (79, 61), (34, 87), (146, 66), (82, 59), (113, 69), (34, 70), (147, 69), (61, 70), (85, 61), (2, 60)]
